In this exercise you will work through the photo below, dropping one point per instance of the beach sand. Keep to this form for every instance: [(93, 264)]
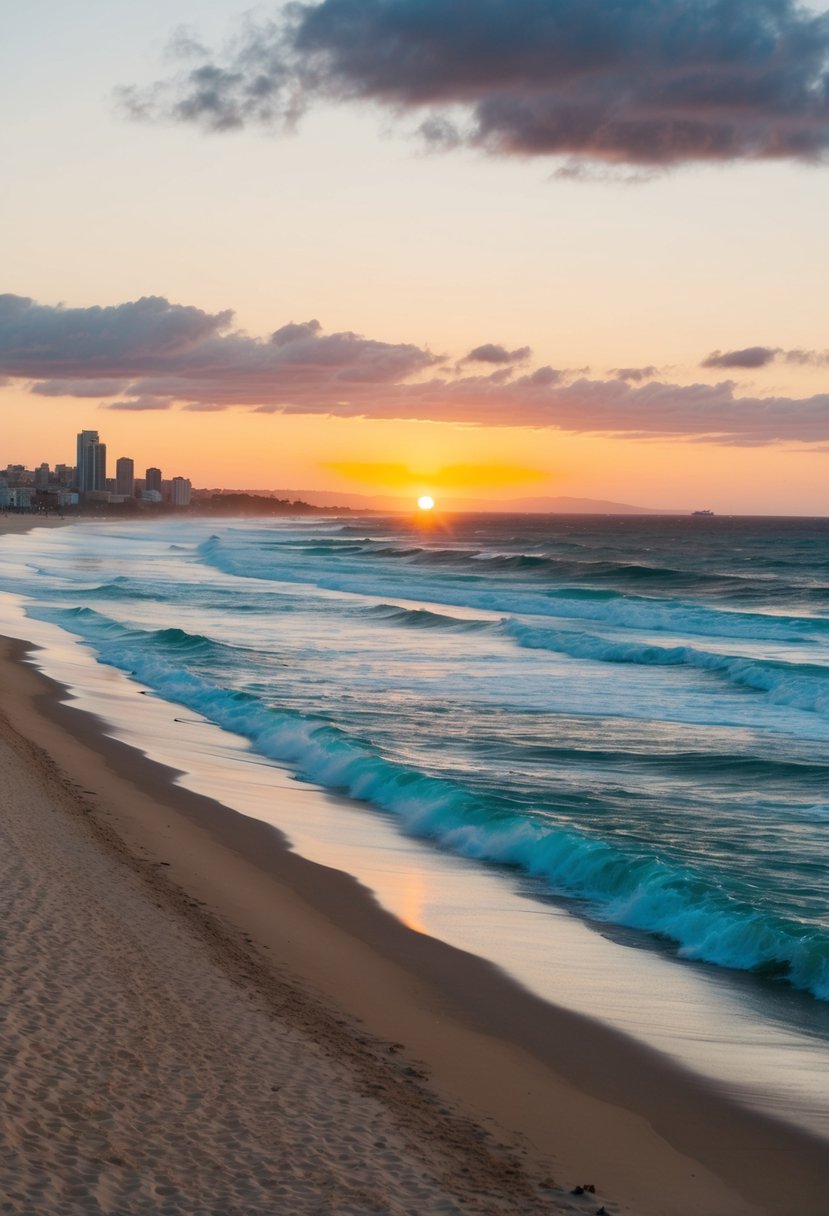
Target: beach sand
[(24, 522), (197, 1020)]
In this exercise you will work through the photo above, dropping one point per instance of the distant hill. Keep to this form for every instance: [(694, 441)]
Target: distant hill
[(560, 505)]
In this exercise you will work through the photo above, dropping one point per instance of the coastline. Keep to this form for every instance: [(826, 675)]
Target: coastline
[(570, 1098), (24, 523)]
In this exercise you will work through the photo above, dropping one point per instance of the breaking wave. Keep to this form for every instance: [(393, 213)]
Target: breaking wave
[(623, 884)]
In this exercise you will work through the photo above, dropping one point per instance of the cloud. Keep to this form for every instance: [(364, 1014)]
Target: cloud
[(751, 356), (293, 332), (78, 388), (154, 349), (140, 404), (635, 374), (117, 342), (491, 352), (649, 411), (163, 355), (807, 358), (639, 82), (761, 356)]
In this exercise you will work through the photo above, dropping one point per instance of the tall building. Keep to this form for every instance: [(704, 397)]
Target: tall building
[(92, 462), (153, 480), (180, 488), (125, 476)]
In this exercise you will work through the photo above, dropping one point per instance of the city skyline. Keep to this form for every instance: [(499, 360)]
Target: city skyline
[(87, 480), (413, 293)]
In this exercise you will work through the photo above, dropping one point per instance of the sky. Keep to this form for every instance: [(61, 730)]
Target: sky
[(486, 248)]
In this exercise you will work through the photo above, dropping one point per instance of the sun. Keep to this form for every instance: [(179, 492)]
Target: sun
[(426, 502)]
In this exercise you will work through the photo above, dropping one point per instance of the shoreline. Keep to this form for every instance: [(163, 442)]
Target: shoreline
[(577, 1099)]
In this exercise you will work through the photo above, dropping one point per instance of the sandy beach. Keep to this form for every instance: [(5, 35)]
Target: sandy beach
[(24, 522), (196, 1019)]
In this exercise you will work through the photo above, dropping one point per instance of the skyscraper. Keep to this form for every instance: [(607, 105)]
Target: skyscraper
[(153, 481), (92, 462), (180, 489), (101, 467), (125, 476)]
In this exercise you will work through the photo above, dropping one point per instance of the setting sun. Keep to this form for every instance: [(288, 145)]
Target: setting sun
[(426, 502)]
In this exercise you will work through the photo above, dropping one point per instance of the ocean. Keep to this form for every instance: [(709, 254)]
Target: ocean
[(605, 731)]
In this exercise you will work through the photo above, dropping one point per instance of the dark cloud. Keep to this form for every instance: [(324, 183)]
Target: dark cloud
[(182, 357), (761, 356), (634, 374), (491, 352), (651, 411), (118, 342), (78, 388), (544, 377), (749, 357), (294, 333), (641, 82), (154, 349)]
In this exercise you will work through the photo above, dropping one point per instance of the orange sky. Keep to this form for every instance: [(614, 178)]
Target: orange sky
[(348, 220), (241, 449)]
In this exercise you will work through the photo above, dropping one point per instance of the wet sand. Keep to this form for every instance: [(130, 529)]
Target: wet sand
[(196, 1019)]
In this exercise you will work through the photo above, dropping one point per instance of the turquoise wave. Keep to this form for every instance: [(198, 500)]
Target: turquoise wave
[(801, 685), (626, 885)]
